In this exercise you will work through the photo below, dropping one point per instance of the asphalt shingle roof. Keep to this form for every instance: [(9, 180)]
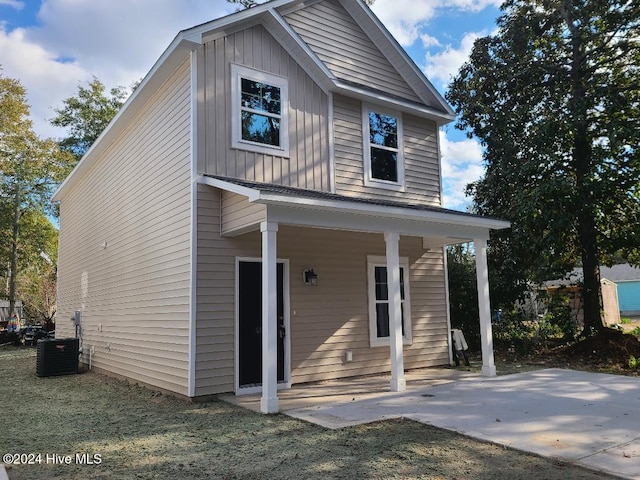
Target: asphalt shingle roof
[(296, 192)]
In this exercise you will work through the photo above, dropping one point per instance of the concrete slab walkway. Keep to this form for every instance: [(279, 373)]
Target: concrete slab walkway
[(587, 418)]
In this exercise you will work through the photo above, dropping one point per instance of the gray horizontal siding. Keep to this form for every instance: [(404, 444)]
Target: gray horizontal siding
[(333, 317), (346, 49), (326, 320), (421, 160), (134, 294), (238, 215), (215, 294)]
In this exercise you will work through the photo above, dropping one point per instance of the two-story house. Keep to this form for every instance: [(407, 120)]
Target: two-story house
[(266, 210)]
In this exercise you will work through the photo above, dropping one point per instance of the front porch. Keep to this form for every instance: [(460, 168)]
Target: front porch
[(248, 209)]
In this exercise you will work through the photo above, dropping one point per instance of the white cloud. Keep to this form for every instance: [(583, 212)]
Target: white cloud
[(47, 81), (471, 5), (429, 41), (13, 4), (118, 42), (461, 165), (129, 36), (403, 17), (444, 65)]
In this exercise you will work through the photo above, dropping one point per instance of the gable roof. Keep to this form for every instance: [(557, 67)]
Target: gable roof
[(269, 15), (397, 55)]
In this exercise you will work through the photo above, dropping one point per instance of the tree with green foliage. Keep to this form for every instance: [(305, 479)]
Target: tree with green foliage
[(554, 97), (36, 281), (30, 169), (87, 114), (463, 292)]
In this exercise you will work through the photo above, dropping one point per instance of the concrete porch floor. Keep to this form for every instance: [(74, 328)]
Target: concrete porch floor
[(306, 395)]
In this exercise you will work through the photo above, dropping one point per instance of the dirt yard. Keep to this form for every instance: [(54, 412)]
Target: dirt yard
[(140, 434), (607, 352)]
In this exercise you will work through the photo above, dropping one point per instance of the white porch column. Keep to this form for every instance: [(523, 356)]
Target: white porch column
[(484, 308), (269, 400), (398, 382)]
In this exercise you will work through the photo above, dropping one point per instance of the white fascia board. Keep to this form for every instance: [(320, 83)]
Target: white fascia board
[(281, 31), (382, 211), (251, 193), (367, 217), (295, 6), (200, 31), (423, 111), (299, 50), (174, 55), (357, 222), (390, 47)]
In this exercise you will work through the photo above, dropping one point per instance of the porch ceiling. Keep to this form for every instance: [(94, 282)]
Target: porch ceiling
[(311, 208)]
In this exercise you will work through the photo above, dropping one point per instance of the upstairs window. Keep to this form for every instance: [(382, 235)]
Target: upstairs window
[(383, 149), (259, 111)]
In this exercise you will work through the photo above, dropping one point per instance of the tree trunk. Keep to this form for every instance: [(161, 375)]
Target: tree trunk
[(591, 289), (584, 172), (14, 250), (587, 233)]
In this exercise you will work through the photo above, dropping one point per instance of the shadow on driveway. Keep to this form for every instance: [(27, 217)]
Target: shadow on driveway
[(591, 419)]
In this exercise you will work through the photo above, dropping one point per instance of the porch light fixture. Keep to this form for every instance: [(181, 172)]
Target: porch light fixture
[(310, 277)]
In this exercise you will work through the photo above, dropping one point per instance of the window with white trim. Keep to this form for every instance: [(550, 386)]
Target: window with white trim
[(383, 148), (379, 301), (259, 111)]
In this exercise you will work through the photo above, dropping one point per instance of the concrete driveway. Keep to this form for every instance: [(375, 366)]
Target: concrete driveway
[(588, 418)]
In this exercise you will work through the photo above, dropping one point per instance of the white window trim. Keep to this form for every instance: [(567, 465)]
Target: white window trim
[(238, 72), (369, 181), (377, 261)]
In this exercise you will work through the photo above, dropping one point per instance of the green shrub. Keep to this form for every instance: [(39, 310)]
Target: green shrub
[(633, 363), (562, 321), (625, 321), (514, 331)]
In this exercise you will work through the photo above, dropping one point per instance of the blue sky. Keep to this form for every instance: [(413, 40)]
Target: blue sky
[(51, 46)]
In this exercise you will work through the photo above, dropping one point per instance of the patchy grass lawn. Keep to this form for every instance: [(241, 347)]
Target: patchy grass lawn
[(141, 434)]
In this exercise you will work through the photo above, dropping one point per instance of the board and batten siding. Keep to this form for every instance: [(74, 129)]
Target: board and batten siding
[(421, 162), (308, 163), (326, 320), (345, 48), (124, 255)]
